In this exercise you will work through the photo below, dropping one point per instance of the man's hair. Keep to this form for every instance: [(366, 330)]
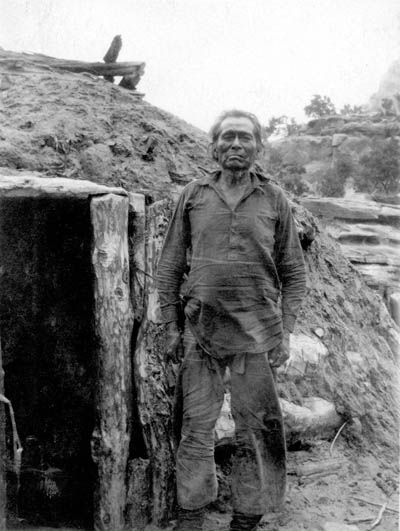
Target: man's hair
[(235, 113)]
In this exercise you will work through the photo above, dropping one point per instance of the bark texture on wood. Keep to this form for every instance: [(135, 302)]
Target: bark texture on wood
[(29, 185), (20, 61), (130, 82), (3, 453), (113, 322), (114, 49), (151, 376), (137, 252), (112, 54), (138, 506), (313, 468)]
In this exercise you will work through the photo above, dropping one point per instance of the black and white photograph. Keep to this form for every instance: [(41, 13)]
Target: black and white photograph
[(199, 265)]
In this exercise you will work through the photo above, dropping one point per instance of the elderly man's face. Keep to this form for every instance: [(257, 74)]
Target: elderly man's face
[(236, 147)]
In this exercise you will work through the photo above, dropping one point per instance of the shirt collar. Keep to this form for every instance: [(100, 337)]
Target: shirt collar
[(257, 180)]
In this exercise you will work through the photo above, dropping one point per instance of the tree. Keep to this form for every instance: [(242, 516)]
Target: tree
[(273, 122), (320, 106), (290, 176), (350, 109), (380, 169), (330, 185), (387, 106), (292, 179), (290, 123), (333, 182)]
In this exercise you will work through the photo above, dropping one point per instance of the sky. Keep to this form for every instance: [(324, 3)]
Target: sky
[(204, 56)]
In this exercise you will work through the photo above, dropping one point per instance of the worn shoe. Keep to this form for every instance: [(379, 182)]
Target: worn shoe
[(244, 522), (190, 520)]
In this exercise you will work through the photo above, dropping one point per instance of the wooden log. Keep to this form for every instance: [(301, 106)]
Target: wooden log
[(137, 252), (112, 54), (318, 468), (3, 453), (130, 82), (101, 69), (22, 60), (30, 185), (114, 49), (151, 376), (138, 498), (113, 324)]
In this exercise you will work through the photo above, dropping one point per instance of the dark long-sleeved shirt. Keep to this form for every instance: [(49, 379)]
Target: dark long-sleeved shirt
[(240, 261)]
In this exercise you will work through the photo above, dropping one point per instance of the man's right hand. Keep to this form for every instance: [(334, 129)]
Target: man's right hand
[(173, 342)]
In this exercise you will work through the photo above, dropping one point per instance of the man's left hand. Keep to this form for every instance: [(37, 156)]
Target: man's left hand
[(278, 355)]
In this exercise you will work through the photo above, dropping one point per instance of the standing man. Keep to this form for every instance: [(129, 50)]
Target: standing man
[(231, 253)]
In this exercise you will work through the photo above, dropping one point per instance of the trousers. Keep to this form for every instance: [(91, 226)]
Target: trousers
[(259, 461)]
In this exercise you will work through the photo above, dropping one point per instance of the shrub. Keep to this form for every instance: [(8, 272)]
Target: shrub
[(380, 169), (320, 106), (331, 186), (350, 109), (291, 177)]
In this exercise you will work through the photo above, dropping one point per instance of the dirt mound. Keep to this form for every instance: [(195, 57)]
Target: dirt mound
[(79, 126)]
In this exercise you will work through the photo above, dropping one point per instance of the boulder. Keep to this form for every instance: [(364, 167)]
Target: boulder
[(339, 526), (339, 208), (369, 234), (316, 418), (306, 353)]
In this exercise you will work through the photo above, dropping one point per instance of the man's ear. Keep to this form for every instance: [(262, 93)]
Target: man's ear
[(212, 152)]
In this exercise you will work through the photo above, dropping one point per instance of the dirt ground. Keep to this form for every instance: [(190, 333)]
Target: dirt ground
[(311, 502)]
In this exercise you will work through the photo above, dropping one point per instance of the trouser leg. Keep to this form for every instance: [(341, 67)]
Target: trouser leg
[(202, 398), (259, 470)]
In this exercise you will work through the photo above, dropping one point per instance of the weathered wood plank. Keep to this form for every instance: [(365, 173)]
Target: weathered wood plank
[(137, 252), (138, 503), (112, 54), (151, 376), (19, 61), (113, 322), (30, 185), (113, 51)]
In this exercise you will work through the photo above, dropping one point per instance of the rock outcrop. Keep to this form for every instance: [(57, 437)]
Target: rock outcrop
[(388, 88), (369, 234), (323, 141)]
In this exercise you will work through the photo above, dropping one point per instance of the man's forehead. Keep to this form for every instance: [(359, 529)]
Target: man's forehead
[(239, 123)]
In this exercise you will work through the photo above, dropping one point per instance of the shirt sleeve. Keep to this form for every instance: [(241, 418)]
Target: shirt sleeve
[(289, 262), (172, 263)]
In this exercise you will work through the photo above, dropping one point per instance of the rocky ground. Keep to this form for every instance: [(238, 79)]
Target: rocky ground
[(79, 126)]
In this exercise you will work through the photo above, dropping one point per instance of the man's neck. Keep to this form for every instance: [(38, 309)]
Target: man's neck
[(232, 178)]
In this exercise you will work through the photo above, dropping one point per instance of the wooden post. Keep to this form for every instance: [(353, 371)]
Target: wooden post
[(3, 453), (112, 54), (151, 376), (137, 252), (113, 321)]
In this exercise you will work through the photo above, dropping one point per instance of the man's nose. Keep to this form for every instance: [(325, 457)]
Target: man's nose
[(236, 142)]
